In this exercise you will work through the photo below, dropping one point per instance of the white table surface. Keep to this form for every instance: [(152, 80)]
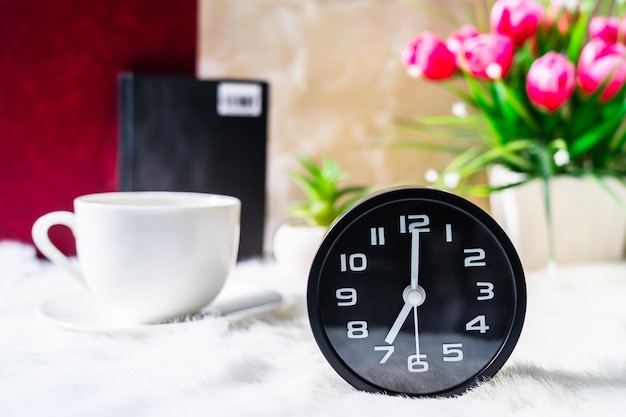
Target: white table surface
[(570, 360)]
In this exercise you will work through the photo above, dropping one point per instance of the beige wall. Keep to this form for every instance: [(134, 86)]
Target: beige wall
[(336, 84)]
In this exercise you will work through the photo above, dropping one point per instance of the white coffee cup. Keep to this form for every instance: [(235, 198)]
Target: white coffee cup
[(148, 256)]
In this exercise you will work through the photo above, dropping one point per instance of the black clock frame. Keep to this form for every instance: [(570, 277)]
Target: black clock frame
[(416, 193)]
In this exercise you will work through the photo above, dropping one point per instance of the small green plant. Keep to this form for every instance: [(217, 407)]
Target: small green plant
[(326, 199)]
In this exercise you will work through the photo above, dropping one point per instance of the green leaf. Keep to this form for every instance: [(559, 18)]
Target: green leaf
[(430, 146), (619, 139), (325, 198), (483, 99), (457, 132), (505, 154), (307, 184), (470, 120), (594, 136), (461, 94), (459, 163), (544, 157), (577, 38), (507, 111), (512, 100), (486, 190)]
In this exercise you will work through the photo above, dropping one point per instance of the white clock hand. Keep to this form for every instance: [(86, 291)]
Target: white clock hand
[(417, 335), (412, 299), (397, 325), (413, 295), (417, 362), (415, 257)]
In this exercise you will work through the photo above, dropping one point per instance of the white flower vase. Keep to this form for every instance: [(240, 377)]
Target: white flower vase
[(588, 224), (295, 245)]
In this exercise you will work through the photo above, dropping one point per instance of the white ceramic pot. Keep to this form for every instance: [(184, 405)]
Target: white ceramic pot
[(588, 224), (295, 245)]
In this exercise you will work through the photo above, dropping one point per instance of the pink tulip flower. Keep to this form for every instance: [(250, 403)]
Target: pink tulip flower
[(427, 56), (517, 19), (550, 81), (601, 63), (456, 39), (487, 56), (609, 29)]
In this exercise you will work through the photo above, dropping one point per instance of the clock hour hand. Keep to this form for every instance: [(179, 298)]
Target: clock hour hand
[(397, 325), (413, 298)]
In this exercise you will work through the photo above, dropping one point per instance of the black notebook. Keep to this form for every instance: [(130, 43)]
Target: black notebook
[(188, 134)]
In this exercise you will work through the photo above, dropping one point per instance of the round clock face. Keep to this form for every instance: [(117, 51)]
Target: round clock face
[(416, 291)]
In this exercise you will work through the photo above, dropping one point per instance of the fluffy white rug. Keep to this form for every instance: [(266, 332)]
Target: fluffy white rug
[(570, 360)]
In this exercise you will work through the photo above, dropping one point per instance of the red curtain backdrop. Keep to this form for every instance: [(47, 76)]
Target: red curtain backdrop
[(58, 105)]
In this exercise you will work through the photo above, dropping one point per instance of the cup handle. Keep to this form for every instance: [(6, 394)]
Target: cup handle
[(42, 240)]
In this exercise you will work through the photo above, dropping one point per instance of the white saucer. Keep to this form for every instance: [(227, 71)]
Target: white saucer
[(77, 310)]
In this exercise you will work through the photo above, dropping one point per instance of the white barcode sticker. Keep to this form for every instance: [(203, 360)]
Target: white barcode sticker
[(239, 99)]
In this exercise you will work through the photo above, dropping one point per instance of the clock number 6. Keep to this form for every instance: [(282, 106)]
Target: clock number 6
[(417, 363)]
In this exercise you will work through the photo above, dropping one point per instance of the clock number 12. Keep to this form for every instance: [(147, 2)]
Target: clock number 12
[(415, 221)]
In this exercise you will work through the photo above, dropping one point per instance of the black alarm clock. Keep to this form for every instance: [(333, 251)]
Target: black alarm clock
[(416, 291)]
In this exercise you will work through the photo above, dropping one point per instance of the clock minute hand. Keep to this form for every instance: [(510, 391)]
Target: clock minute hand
[(415, 257), (413, 295)]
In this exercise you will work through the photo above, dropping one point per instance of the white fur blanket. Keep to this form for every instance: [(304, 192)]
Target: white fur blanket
[(570, 360)]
